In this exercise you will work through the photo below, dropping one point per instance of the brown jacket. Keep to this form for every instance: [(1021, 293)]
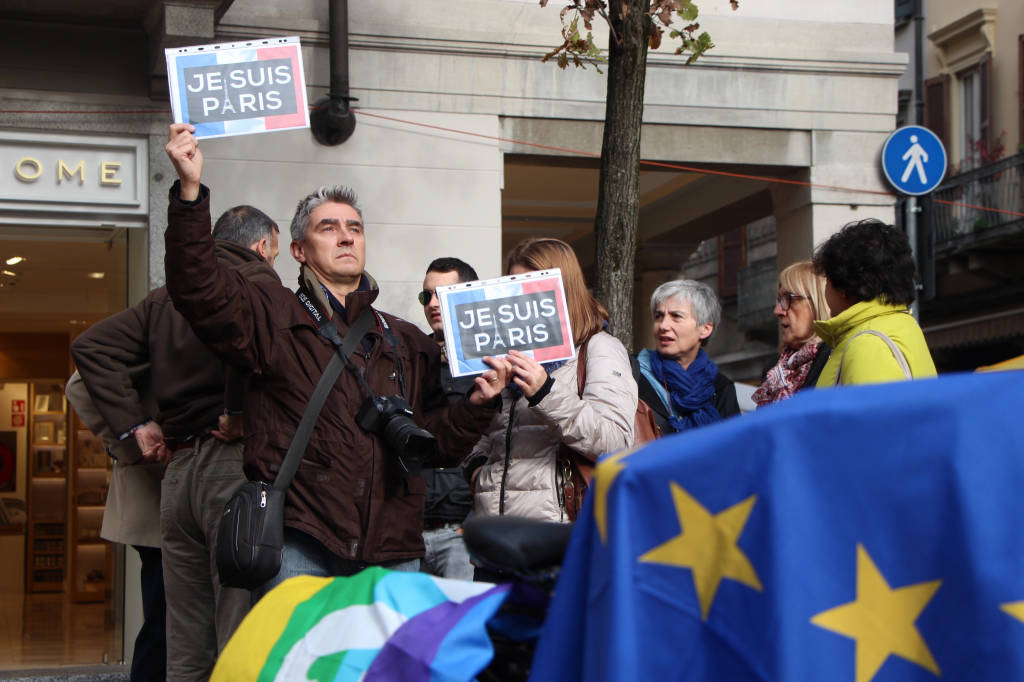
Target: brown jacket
[(346, 493), (151, 338)]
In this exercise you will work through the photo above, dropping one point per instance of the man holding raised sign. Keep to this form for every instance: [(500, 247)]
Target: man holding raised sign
[(356, 499)]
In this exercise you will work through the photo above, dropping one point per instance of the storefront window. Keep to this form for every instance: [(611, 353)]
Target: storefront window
[(60, 581)]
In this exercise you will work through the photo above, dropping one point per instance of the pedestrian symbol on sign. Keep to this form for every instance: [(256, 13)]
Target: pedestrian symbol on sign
[(916, 154), (914, 160)]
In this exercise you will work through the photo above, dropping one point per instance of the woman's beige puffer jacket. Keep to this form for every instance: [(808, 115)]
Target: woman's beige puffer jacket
[(599, 422)]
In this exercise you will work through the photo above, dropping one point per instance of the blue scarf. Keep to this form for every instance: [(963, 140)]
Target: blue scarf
[(690, 390)]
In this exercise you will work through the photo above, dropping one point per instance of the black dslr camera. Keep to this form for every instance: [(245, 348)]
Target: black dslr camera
[(391, 419)]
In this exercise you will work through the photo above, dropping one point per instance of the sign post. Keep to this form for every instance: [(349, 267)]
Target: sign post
[(526, 312), (914, 162)]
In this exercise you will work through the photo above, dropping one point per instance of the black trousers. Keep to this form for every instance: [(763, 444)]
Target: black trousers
[(149, 660)]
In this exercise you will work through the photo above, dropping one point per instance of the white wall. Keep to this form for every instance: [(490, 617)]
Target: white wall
[(823, 70), (424, 193)]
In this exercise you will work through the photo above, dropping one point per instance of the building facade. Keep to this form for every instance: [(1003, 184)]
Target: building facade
[(465, 142), (968, 88)]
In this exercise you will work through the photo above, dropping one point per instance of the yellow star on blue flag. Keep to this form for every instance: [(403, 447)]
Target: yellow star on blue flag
[(706, 545), (881, 620), (1015, 609)]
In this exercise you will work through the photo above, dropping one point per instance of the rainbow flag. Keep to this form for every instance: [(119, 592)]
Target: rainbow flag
[(376, 625)]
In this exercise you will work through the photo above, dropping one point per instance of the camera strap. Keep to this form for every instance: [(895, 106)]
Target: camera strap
[(324, 325), (389, 336), (344, 348)]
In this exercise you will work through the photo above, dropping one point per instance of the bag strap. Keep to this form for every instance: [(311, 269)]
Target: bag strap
[(316, 402), (901, 359), (581, 365)]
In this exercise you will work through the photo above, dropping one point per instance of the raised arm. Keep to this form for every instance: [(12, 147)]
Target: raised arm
[(183, 150), (215, 300)]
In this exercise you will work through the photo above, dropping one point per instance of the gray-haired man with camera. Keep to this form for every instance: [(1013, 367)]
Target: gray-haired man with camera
[(354, 501)]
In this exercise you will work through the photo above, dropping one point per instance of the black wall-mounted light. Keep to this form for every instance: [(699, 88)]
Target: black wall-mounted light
[(331, 119)]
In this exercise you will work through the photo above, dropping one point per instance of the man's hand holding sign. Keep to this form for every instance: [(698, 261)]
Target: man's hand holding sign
[(183, 150)]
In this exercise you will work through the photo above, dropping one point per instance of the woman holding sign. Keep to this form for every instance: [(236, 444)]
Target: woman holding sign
[(554, 412)]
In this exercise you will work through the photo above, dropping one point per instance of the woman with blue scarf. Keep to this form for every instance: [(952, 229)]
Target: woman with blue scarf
[(677, 379)]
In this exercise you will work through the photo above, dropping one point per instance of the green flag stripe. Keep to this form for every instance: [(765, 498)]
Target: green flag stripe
[(335, 595)]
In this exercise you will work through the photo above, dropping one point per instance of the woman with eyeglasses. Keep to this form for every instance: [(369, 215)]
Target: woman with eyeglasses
[(800, 302)]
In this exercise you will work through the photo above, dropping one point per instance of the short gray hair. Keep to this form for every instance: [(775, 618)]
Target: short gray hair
[(702, 299), (338, 194)]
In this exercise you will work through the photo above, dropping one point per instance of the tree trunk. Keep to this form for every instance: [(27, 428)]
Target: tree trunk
[(618, 201)]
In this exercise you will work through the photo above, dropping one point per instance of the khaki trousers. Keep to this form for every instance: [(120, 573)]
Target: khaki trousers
[(201, 615)]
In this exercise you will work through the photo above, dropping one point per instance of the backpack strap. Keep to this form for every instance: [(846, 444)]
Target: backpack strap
[(901, 359)]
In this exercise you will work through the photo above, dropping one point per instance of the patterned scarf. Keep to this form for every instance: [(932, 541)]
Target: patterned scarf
[(788, 375), (690, 389)]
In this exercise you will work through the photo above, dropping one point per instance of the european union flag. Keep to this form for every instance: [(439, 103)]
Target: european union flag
[(868, 534)]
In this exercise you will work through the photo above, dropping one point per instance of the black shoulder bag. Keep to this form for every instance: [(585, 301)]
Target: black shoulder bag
[(250, 535)]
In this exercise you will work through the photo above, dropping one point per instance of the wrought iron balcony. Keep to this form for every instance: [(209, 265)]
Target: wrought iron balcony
[(998, 185)]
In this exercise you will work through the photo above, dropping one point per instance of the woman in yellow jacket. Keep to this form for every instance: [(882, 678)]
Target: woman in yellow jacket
[(869, 272)]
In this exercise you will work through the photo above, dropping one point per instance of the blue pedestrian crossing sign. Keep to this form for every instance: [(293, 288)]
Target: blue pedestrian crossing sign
[(914, 160)]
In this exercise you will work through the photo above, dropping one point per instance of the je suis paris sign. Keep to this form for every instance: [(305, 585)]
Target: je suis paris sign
[(524, 312), (254, 86)]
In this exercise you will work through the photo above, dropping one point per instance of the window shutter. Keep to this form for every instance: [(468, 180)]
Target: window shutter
[(1020, 87), (985, 94), (936, 107)]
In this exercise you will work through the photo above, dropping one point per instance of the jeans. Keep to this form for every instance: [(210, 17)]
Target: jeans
[(446, 553), (304, 555)]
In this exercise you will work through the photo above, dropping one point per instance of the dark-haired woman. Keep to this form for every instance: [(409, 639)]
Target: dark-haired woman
[(869, 272)]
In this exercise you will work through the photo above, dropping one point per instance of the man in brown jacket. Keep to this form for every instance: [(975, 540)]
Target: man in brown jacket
[(191, 388), (349, 505)]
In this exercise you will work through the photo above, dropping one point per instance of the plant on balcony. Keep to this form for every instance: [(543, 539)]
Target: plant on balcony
[(981, 153)]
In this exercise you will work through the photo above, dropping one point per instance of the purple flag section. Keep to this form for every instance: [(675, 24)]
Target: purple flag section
[(447, 642)]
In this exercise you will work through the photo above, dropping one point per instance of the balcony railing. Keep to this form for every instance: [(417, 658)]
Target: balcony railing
[(996, 185)]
